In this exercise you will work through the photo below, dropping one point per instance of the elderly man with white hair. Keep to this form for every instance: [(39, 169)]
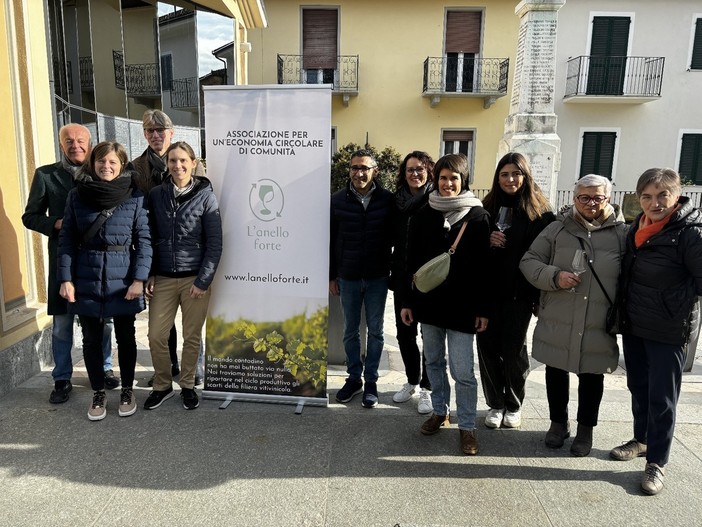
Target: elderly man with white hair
[(571, 335)]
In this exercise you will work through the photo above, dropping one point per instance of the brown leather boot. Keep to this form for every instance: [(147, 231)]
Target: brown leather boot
[(469, 442), (434, 424)]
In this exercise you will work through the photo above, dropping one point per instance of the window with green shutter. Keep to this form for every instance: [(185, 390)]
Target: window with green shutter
[(691, 158), (597, 156), (608, 53), (696, 62)]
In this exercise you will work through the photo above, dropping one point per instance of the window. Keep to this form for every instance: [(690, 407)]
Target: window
[(690, 167), (333, 140), (597, 156), (461, 48), (166, 71), (319, 45), (696, 62), (458, 142), (608, 52)]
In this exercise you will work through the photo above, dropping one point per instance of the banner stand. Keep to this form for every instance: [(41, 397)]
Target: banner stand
[(300, 402)]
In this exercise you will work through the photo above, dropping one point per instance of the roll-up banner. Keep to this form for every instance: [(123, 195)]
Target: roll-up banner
[(268, 157)]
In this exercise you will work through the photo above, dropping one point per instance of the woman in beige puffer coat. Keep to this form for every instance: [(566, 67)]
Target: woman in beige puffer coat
[(570, 334)]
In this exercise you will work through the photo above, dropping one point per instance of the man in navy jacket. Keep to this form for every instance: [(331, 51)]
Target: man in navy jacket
[(361, 247)]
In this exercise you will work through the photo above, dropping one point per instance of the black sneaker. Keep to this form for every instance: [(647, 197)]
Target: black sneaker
[(60, 392), (190, 400), (111, 381), (349, 390), (156, 397), (370, 395)]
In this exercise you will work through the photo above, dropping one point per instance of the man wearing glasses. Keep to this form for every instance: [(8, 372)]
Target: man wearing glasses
[(152, 171), (359, 267)]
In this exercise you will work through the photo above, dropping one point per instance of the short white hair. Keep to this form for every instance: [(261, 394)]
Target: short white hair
[(593, 180)]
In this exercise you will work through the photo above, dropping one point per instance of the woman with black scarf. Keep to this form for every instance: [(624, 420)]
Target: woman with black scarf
[(104, 259), (414, 182)]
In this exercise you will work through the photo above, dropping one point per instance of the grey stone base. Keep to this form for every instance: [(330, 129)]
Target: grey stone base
[(24, 360)]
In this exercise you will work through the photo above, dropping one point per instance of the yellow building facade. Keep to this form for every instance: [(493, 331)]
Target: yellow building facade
[(29, 138), (410, 74)]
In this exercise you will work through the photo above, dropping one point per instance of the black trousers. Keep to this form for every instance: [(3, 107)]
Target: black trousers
[(653, 376), (125, 335), (503, 357), (590, 390), (415, 365)]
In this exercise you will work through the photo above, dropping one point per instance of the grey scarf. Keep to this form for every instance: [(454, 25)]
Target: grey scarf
[(454, 208)]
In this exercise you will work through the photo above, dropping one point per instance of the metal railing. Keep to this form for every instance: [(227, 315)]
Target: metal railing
[(85, 67), (139, 79), (623, 76), (343, 77), (184, 93), (465, 75)]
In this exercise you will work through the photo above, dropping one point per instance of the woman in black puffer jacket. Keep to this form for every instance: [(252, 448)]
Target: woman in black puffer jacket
[(660, 284), (104, 259), (187, 237)]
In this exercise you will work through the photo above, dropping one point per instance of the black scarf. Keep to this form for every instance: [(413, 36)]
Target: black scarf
[(408, 202), (158, 164), (105, 194)]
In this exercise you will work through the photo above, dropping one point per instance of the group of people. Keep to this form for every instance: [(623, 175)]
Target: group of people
[(583, 272), (120, 233)]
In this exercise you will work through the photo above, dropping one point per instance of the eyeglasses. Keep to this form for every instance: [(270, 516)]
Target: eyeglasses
[(415, 170), (152, 131), (584, 199), (356, 169)]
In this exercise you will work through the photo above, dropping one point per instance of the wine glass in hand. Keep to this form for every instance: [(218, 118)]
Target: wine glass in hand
[(504, 222), (579, 265)]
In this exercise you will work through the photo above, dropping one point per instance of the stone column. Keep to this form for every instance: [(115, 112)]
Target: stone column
[(530, 127)]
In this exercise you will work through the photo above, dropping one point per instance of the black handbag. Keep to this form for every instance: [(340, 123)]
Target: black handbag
[(612, 318)]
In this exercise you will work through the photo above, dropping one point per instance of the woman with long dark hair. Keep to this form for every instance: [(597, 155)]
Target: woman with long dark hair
[(414, 182), (502, 352)]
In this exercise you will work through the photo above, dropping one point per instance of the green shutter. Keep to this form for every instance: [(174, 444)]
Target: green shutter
[(691, 158), (597, 155), (696, 62)]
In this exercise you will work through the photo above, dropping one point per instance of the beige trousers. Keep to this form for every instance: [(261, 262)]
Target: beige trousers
[(169, 294)]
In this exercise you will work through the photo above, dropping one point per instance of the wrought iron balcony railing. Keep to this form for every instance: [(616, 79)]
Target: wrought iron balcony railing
[(184, 93), (467, 76), (639, 77), (85, 67), (343, 77), (140, 80)]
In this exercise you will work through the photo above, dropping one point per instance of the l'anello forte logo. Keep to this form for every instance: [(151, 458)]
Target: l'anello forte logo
[(266, 200)]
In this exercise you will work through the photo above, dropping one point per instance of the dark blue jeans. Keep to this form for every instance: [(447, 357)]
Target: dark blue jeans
[(653, 376)]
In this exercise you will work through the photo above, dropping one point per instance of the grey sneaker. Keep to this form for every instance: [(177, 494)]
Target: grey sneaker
[(652, 481), (127, 403), (98, 408), (628, 451)]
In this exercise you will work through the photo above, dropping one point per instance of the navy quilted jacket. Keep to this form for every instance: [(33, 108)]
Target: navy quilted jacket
[(187, 232), (361, 239), (103, 268)]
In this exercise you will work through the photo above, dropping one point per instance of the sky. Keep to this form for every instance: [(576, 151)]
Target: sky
[(213, 31)]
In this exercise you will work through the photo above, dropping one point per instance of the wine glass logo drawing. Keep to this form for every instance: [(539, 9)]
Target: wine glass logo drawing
[(266, 200)]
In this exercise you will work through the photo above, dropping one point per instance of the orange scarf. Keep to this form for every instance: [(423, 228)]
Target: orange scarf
[(647, 228)]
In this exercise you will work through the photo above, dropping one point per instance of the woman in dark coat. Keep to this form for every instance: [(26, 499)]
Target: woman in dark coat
[(414, 182), (104, 259), (458, 308), (504, 362), (660, 284)]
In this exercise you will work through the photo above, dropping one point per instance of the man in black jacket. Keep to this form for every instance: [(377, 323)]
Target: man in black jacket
[(44, 214), (361, 219)]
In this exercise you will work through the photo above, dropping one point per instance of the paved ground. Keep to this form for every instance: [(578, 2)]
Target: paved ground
[(260, 464)]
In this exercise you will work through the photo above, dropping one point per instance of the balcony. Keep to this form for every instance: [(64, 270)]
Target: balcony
[(596, 79), (343, 77), (184, 94), (142, 81), (464, 76), (85, 68)]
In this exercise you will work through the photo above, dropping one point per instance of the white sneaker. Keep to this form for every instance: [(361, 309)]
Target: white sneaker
[(424, 406), (494, 418), (512, 419), (405, 393)]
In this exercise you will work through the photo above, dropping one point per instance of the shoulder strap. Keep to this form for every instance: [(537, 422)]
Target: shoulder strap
[(99, 221), (458, 238), (587, 259)]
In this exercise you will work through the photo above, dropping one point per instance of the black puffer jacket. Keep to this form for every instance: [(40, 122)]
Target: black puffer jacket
[(361, 240), (186, 232), (662, 279)]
